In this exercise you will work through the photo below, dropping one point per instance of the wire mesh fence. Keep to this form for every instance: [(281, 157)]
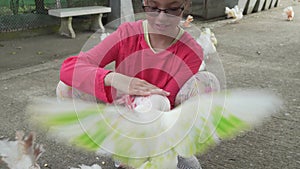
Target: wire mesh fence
[(16, 15)]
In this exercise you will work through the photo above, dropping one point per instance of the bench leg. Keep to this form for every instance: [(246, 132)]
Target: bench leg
[(97, 23), (66, 28)]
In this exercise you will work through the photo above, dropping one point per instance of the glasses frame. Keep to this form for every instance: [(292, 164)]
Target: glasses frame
[(157, 11)]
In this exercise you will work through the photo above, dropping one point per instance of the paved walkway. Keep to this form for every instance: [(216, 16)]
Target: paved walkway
[(262, 51)]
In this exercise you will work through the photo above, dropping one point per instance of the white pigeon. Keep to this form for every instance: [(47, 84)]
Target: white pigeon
[(208, 42), (22, 153), (94, 166), (104, 35), (289, 13), (151, 138), (235, 13)]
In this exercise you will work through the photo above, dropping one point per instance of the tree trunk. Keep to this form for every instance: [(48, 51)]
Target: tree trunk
[(40, 6), (14, 6), (70, 3)]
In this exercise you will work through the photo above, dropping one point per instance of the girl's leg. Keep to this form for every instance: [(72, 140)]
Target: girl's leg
[(65, 92), (201, 83)]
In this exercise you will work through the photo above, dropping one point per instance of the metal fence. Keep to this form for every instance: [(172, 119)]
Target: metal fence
[(18, 15)]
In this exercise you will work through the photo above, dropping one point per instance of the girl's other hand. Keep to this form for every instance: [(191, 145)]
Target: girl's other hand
[(132, 85)]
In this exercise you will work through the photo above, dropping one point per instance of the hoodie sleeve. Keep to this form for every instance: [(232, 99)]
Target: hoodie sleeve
[(86, 72)]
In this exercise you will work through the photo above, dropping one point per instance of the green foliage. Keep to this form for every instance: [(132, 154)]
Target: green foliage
[(78, 3), (5, 11)]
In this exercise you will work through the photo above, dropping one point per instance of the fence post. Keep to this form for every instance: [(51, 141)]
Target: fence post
[(40, 6), (121, 11)]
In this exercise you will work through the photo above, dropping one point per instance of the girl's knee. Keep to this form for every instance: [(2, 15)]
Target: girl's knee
[(63, 91), (202, 82), (208, 80)]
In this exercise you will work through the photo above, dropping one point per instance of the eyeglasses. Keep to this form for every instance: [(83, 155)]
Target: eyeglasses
[(154, 11)]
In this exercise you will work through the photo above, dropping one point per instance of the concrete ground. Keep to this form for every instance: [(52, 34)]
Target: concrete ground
[(261, 51)]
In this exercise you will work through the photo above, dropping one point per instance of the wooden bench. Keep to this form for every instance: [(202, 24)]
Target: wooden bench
[(66, 15)]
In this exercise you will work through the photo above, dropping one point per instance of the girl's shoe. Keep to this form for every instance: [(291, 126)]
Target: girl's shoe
[(188, 163)]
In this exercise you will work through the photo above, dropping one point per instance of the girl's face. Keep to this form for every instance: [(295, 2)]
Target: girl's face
[(164, 15)]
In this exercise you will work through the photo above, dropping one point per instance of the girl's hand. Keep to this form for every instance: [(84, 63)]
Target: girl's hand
[(132, 85)]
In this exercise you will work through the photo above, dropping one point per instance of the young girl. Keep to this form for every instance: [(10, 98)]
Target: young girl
[(154, 58)]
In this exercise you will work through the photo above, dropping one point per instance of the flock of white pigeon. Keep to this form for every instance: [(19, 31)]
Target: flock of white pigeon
[(236, 14), (24, 153)]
